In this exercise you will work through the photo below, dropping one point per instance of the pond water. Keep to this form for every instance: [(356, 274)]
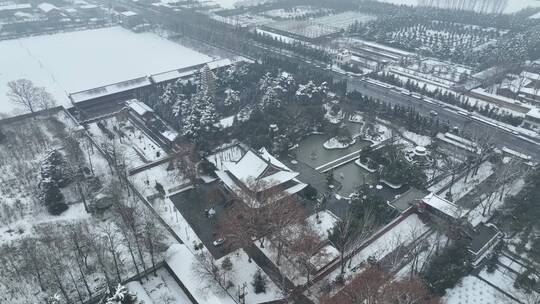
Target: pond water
[(351, 176), (311, 151)]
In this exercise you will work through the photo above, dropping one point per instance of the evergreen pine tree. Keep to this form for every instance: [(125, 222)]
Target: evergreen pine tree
[(259, 282), (55, 167), (2, 136), (51, 197), (227, 264)]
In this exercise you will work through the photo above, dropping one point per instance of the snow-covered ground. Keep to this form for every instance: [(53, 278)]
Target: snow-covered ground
[(230, 4), (129, 141), (171, 180), (158, 289), (231, 153), (243, 271), (75, 61), (475, 215), (504, 279), (401, 235), (468, 183), (184, 264), (420, 140), (288, 267), (473, 290), (326, 221), (21, 156), (511, 7)]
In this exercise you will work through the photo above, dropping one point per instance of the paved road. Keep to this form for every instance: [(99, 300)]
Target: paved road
[(502, 138)]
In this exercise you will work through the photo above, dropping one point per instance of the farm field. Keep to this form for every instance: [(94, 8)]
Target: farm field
[(88, 59), (343, 20), (511, 6)]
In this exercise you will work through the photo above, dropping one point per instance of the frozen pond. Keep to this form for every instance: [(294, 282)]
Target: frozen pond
[(351, 176), (75, 61), (311, 152)]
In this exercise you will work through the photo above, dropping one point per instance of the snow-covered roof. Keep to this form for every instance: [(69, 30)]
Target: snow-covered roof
[(458, 142), (259, 171), (530, 91), (23, 15), (250, 166), (128, 13), (47, 7), (170, 135), (165, 76), (139, 107), (535, 113), (274, 161), (110, 89), (516, 153), (14, 6), (88, 6), (483, 93), (443, 205), (227, 153), (219, 63), (487, 73), (227, 122)]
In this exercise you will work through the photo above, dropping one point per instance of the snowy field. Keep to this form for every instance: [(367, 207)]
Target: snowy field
[(230, 4), (511, 7), (75, 61)]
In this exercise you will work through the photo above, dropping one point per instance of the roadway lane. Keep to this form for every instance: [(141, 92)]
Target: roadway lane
[(502, 138)]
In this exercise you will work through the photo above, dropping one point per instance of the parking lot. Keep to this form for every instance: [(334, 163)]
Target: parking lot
[(192, 205)]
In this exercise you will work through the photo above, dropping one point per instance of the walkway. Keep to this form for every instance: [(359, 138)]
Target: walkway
[(347, 158)]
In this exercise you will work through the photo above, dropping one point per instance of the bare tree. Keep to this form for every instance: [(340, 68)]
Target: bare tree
[(23, 92), (187, 162), (507, 173), (303, 249), (112, 243), (152, 236), (34, 260), (132, 220), (376, 287), (51, 239), (207, 270), (350, 231), (260, 214), (76, 236)]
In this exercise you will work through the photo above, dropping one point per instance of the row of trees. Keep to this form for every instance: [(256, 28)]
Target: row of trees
[(452, 98), (408, 116), (366, 213), (374, 286), (294, 47), (510, 48), (79, 261), (276, 220)]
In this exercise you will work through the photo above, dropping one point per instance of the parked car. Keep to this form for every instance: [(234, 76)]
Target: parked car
[(218, 242)]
